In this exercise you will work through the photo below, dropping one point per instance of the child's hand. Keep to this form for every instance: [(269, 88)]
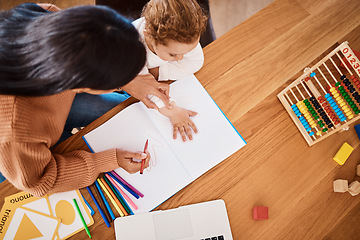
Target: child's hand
[(180, 119), (125, 160)]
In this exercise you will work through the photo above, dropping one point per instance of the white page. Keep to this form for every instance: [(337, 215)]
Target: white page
[(129, 130), (217, 138)]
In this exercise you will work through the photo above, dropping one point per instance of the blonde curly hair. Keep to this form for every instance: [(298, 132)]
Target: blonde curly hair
[(180, 20)]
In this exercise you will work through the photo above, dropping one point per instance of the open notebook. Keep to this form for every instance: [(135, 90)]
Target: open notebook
[(174, 163), (200, 221)]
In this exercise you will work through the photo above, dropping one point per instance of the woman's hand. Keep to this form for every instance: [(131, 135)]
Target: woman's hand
[(125, 160), (143, 85), (180, 119)]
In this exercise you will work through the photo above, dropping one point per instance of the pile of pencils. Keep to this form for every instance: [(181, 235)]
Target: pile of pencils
[(110, 185)]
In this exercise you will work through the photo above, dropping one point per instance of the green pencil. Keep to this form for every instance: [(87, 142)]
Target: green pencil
[(82, 218)]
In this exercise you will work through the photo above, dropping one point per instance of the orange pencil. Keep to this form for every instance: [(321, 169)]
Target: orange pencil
[(113, 195), (143, 161)]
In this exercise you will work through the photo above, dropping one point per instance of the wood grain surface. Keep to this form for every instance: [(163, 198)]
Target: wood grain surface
[(244, 70)]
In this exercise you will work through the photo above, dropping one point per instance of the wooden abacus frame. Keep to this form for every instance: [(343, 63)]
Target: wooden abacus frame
[(311, 85)]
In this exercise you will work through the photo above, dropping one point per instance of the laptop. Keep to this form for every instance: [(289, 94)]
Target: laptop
[(201, 221)]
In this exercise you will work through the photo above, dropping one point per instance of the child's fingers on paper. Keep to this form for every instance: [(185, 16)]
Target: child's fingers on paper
[(175, 130), (188, 132), (182, 133), (193, 126)]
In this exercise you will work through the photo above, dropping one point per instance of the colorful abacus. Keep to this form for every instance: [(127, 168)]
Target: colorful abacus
[(323, 100)]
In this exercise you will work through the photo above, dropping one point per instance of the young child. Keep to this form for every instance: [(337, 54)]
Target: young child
[(170, 30)]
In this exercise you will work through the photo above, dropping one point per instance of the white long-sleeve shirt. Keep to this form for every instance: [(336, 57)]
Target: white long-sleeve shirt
[(170, 70)]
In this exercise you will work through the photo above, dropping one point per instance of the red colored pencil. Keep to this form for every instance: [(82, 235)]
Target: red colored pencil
[(143, 161)]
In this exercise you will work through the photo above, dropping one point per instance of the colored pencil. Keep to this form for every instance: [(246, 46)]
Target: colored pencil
[(105, 201), (143, 161), (111, 198), (117, 185), (91, 209), (82, 218), (101, 203), (119, 196), (98, 207), (126, 185), (114, 196)]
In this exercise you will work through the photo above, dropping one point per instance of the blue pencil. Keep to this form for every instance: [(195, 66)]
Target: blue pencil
[(87, 204), (122, 184), (105, 201), (97, 205)]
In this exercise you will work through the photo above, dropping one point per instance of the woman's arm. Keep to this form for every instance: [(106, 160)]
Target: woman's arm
[(32, 166)]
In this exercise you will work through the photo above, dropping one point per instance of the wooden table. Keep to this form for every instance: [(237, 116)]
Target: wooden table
[(244, 70)]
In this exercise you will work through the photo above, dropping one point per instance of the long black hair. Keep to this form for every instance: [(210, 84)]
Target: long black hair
[(44, 53)]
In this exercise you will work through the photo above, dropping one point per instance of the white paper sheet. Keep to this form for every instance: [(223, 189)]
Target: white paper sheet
[(174, 163)]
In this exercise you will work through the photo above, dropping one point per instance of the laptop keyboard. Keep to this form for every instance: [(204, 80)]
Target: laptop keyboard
[(221, 237)]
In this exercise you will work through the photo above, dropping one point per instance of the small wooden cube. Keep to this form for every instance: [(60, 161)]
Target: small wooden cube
[(354, 188), (358, 170), (340, 185), (260, 213), (344, 152)]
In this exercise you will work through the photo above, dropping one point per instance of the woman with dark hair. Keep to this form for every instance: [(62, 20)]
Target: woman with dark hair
[(49, 63)]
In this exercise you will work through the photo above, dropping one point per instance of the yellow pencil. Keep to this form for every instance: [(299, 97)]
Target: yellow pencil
[(110, 197)]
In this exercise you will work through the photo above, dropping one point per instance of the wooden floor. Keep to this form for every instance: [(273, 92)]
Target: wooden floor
[(277, 169)]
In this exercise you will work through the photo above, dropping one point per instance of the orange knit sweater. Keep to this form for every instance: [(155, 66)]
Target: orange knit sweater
[(29, 126)]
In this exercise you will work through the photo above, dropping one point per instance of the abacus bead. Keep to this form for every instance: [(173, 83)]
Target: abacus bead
[(352, 76), (324, 129), (351, 116), (330, 125), (312, 74), (342, 77), (337, 84), (318, 133), (327, 95)]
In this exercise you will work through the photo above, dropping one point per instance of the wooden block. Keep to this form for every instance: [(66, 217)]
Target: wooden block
[(344, 152), (340, 185), (260, 213), (358, 170), (354, 188)]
